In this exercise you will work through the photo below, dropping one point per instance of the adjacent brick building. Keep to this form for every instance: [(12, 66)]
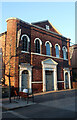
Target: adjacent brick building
[(73, 58), (37, 56)]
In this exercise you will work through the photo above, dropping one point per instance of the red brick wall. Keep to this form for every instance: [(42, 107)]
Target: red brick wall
[(74, 85), (44, 36), (11, 52), (38, 87), (36, 63), (43, 25), (68, 45), (60, 86), (13, 25), (35, 60), (3, 49)]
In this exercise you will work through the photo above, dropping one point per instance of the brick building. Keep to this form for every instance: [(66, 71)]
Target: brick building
[(73, 58), (37, 56)]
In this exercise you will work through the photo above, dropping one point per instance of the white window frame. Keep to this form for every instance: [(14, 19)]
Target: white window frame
[(64, 50), (58, 48), (49, 44), (47, 27)]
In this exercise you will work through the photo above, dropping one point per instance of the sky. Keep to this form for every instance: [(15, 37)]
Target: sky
[(60, 14)]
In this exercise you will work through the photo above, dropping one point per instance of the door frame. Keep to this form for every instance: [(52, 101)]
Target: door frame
[(50, 65), (25, 66), (67, 70), (51, 79)]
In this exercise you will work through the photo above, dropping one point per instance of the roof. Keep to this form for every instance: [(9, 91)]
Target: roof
[(36, 23), (3, 33), (33, 24), (39, 22)]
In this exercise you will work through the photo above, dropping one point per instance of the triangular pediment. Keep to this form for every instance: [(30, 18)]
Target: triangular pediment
[(49, 61), (48, 23)]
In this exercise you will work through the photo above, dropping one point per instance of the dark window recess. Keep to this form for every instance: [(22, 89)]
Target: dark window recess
[(57, 51), (25, 44), (37, 44)]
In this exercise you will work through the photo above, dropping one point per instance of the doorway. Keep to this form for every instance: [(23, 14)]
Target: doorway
[(66, 80), (49, 80), (25, 77)]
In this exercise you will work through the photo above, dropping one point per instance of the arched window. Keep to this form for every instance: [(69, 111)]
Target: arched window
[(38, 44), (25, 42), (64, 52), (57, 48), (48, 47)]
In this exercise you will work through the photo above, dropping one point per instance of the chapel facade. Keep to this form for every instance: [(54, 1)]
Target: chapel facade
[(36, 55)]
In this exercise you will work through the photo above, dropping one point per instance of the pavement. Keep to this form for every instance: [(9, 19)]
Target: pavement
[(16, 104), (38, 98), (49, 105)]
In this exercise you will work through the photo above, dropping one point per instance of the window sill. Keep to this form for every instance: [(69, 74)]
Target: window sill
[(44, 55), (25, 52)]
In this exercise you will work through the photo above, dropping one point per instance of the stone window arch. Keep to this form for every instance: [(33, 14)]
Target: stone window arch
[(25, 42), (57, 50), (64, 52), (38, 44), (48, 47)]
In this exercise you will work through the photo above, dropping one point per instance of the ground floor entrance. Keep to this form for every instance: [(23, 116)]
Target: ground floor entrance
[(66, 80), (49, 68), (49, 80), (25, 80), (25, 77)]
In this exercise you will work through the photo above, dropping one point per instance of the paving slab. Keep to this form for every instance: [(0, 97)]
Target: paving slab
[(40, 97), (16, 104), (66, 104)]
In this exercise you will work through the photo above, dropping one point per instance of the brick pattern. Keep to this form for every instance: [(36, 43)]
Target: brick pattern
[(43, 25), (10, 52), (38, 87), (44, 36), (17, 57), (3, 50)]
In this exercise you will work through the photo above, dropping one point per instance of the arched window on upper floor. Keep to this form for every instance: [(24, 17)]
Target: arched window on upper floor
[(48, 47), (64, 52), (57, 49), (38, 44), (25, 42)]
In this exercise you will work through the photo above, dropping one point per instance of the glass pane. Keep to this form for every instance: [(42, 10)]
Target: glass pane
[(47, 49), (57, 51), (37, 46), (64, 54), (25, 43)]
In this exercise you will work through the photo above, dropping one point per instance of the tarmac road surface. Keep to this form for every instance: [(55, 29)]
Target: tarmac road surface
[(46, 108)]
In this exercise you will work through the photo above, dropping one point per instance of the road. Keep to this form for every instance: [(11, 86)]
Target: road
[(46, 107)]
